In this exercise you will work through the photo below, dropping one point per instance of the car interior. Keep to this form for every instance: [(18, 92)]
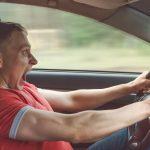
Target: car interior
[(132, 17)]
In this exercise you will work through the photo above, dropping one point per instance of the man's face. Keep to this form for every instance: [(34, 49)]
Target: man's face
[(17, 59)]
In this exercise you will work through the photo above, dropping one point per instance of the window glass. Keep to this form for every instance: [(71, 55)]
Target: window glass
[(61, 40)]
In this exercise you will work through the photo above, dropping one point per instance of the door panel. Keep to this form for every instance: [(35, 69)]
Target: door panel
[(72, 80)]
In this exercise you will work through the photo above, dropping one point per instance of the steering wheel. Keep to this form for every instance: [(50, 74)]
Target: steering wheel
[(139, 138)]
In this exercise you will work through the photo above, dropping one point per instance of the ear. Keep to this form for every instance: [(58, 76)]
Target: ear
[(1, 60)]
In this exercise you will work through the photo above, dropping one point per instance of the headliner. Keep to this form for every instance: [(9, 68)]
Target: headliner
[(143, 6), (136, 20)]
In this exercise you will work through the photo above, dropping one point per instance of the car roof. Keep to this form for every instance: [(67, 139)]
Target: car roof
[(142, 6), (133, 18)]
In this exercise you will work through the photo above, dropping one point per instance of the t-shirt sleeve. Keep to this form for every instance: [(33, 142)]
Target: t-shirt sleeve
[(12, 111)]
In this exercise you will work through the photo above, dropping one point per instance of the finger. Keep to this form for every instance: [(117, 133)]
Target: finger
[(145, 74), (146, 91), (147, 84), (148, 75)]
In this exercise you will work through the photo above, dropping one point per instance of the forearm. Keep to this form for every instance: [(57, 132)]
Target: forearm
[(93, 125), (87, 126), (92, 98)]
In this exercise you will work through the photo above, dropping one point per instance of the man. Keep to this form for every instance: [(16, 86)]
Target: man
[(30, 118)]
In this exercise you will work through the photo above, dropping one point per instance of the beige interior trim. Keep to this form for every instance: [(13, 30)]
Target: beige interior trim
[(106, 4)]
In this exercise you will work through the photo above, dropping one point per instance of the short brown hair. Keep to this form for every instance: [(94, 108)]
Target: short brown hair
[(6, 28)]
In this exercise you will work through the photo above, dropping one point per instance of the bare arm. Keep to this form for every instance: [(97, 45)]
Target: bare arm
[(92, 98), (80, 100), (40, 125)]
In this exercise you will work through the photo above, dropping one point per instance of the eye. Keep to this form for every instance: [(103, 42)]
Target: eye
[(25, 52)]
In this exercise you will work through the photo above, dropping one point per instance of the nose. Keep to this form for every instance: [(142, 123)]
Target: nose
[(33, 60)]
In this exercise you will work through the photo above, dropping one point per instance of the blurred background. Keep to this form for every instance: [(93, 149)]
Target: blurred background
[(61, 40)]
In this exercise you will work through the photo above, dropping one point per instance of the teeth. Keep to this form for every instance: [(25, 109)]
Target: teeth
[(106, 4)]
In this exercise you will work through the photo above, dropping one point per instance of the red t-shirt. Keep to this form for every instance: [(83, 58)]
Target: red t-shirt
[(13, 106)]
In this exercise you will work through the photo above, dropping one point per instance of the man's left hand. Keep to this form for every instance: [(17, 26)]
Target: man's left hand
[(141, 83)]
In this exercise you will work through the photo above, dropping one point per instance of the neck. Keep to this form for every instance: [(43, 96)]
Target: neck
[(8, 83)]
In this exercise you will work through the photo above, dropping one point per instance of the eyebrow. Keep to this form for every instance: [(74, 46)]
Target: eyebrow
[(29, 46)]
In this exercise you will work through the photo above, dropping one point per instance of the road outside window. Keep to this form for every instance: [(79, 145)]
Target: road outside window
[(61, 40)]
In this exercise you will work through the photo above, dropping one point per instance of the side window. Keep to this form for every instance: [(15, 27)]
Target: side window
[(61, 40)]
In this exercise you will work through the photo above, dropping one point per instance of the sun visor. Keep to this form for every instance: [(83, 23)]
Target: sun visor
[(106, 4)]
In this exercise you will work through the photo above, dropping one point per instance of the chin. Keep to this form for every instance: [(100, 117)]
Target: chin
[(29, 68), (26, 71)]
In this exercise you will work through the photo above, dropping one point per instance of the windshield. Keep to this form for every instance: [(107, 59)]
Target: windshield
[(61, 40)]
